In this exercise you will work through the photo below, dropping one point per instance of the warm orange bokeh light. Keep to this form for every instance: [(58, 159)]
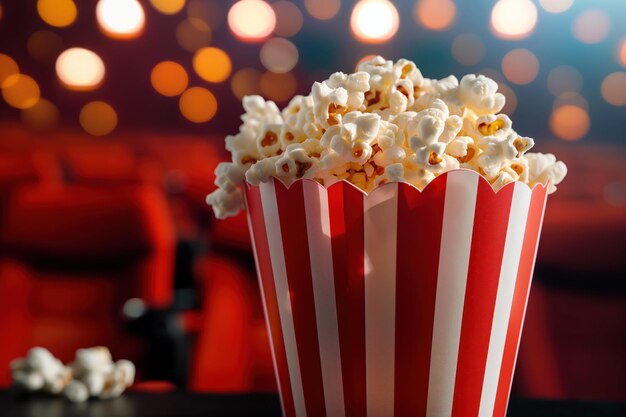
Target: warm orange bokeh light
[(288, 18), (279, 55), (198, 105), (556, 6), (212, 64), (80, 69), (570, 122), (468, 49), (20, 91), (435, 14), (278, 87), (591, 26), (58, 13), (8, 67), (322, 9), (42, 116), (121, 19), (44, 45), (513, 19), (564, 79), (251, 20), (193, 34), (98, 118), (168, 6), (245, 82), (621, 53), (614, 89), (520, 66), (374, 21), (169, 78)]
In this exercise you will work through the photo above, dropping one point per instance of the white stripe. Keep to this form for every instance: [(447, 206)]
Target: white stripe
[(454, 254), (321, 255), (267, 320), (277, 256), (504, 298), (519, 337), (380, 232)]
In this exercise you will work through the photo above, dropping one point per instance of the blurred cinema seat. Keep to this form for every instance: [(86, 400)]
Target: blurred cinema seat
[(574, 339), (71, 257)]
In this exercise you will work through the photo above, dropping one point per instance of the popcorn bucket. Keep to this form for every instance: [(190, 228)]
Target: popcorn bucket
[(397, 303)]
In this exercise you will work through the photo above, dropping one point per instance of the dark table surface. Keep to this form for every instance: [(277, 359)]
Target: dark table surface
[(183, 404)]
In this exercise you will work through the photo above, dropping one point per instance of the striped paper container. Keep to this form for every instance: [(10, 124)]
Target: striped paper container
[(397, 303)]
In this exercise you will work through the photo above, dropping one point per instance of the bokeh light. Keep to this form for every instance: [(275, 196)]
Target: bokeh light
[(520, 66), (44, 45), (251, 20), (288, 18), (591, 26), (279, 55), (212, 64), (245, 82), (1, 11), (569, 122), (468, 49), (278, 87), (42, 116), (20, 91), (511, 98), (198, 105), (621, 53), (322, 9), (168, 6), (571, 98), (374, 21), (122, 19), (513, 19), (556, 6), (435, 14), (564, 79), (614, 88), (211, 12), (193, 34), (80, 69), (98, 118), (169, 78), (57, 13), (8, 67)]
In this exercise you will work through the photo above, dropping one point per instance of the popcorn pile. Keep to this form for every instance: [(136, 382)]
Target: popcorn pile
[(92, 374), (384, 123)]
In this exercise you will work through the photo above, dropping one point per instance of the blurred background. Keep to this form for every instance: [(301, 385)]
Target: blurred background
[(112, 119)]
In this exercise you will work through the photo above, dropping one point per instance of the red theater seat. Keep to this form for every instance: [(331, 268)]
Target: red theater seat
[(573, 346), (232, 349), (109, 164), (71, 257)]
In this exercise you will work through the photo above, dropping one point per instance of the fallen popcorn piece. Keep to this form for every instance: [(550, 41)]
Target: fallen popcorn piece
[(96, 375), (383, 123), (40, 371)]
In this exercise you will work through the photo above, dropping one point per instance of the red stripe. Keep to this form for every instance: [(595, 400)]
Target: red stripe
[(292, 218), (488, 238), (520, 297), (346, 229), (253, 202), (420, 220)]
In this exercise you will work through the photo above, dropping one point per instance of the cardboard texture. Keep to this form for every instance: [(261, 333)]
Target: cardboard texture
[(397, 303)]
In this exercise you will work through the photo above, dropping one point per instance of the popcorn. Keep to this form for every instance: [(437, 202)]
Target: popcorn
[(479, 93), (40, 371), (96, 375), (92, 374), (383, 123)]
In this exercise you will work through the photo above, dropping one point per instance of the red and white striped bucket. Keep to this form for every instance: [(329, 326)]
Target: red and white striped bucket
[(397, 303)]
